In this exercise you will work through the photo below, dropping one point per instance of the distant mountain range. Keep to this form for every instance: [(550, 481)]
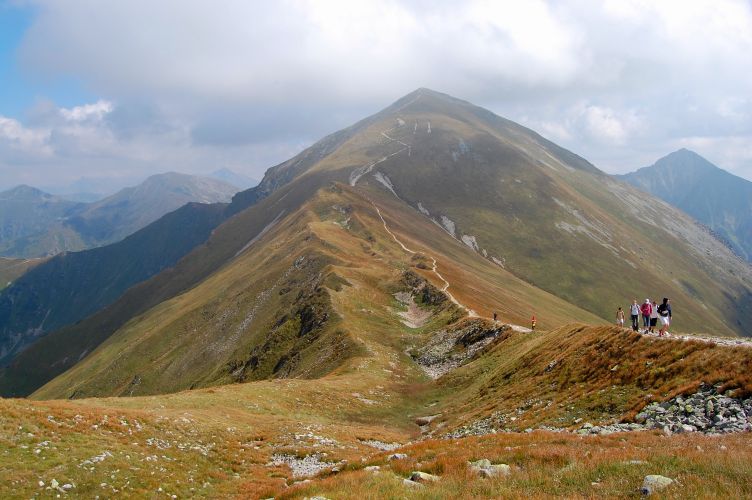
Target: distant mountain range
[(432, 201), (37, 224), (718, 199)]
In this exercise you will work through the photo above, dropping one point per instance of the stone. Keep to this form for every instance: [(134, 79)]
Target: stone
[(687, 428), (412, 484), (372, 468), (655, 482), (423, 477), (397, 456)]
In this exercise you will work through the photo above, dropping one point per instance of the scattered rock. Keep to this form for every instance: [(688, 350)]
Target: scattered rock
[(302, 467), (372, 468), (452, 347), (380, 445), (397, 456), (423, 477), (653, 483)]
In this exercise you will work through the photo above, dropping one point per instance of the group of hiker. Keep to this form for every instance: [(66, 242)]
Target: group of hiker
[(651, 313)]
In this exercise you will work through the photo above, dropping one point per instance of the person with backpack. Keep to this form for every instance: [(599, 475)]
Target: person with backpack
[(664, 313), (654, 317), (634, 313), (647, 310), (620, 317)]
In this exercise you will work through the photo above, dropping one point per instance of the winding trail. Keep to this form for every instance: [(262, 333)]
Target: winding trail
[(434, 266)]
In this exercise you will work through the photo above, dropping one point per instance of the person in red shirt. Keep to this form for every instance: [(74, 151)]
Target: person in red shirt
[(647, 310)]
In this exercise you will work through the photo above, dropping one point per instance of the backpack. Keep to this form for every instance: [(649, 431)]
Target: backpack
[(663, 310)]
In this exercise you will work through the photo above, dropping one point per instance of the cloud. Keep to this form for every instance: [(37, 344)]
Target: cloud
[(195, 86)]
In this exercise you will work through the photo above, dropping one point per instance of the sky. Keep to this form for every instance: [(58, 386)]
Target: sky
[(98, 95)]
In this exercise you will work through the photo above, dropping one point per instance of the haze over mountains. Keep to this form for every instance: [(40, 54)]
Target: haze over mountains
[(37, 224), (514, 223), (718, 199)]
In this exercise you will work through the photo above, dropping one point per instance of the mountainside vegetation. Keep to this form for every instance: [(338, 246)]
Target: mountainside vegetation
[(718, 199)]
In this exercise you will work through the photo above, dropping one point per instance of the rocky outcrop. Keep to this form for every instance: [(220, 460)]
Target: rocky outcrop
[(454, 346)]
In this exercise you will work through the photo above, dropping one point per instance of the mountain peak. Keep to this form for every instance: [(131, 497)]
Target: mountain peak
[(24, 192)]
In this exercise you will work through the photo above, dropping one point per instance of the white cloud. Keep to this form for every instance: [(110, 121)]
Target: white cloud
[(15, 135), (95, 111), (202, 85)]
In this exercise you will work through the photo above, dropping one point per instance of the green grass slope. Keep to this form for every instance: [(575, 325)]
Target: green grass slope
[(281, 308)]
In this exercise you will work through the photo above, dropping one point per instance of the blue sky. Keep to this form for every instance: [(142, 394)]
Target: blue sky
[(21, 89), (119, 90)]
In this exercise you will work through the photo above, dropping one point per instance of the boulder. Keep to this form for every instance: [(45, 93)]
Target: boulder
[(423, 477), (654, 483), (412, 484)]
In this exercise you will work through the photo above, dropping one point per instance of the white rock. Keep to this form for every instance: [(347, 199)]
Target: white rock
[(655, 482), (412, 484)]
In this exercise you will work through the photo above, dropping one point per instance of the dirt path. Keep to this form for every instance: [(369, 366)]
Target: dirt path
[(434, 267), (722, 341)]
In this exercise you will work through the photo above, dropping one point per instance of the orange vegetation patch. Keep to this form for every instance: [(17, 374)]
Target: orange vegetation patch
[(589, 371)]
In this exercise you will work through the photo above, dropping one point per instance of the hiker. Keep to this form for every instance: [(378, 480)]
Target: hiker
[(664, 313), (647, 310), (494, 317), (532, 323), (654, 317), (634, 313), (620, 317)]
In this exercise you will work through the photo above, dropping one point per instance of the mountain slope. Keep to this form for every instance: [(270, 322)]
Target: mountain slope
[(718, 199), (536, 216), (12, 269), (34, 224), (70, 286), (287, 305), (234, 178), (31, 223), (546, 214)]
